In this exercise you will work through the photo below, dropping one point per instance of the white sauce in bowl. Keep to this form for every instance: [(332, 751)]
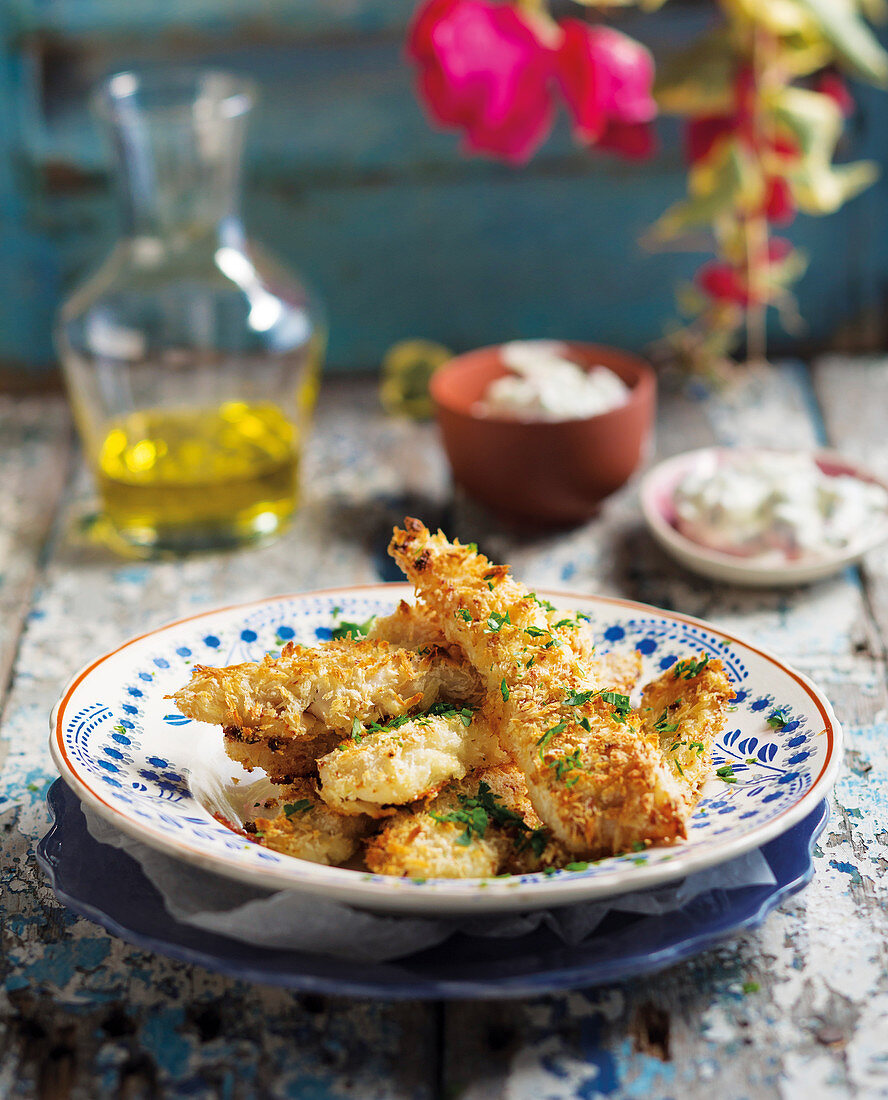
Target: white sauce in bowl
[(775, 503), (544, 384)]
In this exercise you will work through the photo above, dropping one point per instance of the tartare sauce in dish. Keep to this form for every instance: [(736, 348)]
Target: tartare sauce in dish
[(545, 384), (775, 504)]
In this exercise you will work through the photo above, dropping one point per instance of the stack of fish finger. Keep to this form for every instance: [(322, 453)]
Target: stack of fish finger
[(475, 732)]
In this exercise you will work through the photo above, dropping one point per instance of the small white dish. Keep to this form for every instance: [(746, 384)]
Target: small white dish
[(772, 570), (132, 758)]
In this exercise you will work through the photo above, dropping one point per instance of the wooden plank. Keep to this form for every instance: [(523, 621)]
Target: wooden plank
[(467, 261), (350, 181), (105, 18), (853, 394), (796, 1006), (84, 1014), (35, 443)]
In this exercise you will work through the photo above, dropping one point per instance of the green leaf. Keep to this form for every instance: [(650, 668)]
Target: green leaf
[(815, 123), (853, 41), (698, 80), (732, 181), (822, 189)]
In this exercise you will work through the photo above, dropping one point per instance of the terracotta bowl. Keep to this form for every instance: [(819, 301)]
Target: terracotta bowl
[(552, 473)]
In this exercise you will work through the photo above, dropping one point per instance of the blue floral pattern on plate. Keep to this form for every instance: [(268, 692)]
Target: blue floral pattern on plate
[(126, 751)]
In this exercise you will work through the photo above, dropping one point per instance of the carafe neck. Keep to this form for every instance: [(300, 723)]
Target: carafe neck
[(178, 139)]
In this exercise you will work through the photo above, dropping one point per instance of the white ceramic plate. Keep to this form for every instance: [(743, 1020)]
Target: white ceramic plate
[(657, 505), (131, 757)]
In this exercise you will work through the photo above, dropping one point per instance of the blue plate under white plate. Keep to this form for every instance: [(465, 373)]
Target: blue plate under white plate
[(132, 758), (107, 886)]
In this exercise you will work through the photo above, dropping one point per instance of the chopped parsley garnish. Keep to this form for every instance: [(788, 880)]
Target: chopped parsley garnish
[(300, 807), (584, 722), (477, 813), (579, 698), (697, 746), (534, 631), (541, 603), (357, 731), (677, 763), (352, 630), (538, 839), (391, 724), (690, 668), (497, 621), (777, 719), (466, 616), (576, 866), (504, 690), (567, 764), (620, 703), (663, 725), (727, 773), (638, 846), (676, 745), (751, 760), (530, 663), (549, 734), (564, 622), (446, 710)]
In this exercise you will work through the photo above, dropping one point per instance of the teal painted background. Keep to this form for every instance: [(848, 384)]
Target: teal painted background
[(348, 182)]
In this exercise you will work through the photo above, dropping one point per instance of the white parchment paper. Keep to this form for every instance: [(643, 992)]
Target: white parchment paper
[(288, 919)]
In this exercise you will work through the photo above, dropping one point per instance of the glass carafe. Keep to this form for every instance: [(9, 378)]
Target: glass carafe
[(192, 358)]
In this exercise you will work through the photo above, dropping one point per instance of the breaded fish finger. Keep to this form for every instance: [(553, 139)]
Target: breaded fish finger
[(470, 830), (305, 827), (593, 778), (406, 760), (333, 684), (684, 710)]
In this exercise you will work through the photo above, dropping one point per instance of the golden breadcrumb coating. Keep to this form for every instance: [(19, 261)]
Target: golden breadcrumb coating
[(684, 711), (407, 627), (477, 730), (405, 761), (332, 684), (282, 759), (593, 777), (305, 827), (425, 843)]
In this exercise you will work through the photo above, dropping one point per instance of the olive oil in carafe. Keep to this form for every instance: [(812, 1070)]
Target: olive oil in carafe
[(182, 478)]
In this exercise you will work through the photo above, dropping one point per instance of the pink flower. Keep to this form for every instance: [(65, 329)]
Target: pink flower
[(606, 78), (631, 140), (483, 70), (830, 83), (779, 205), (726, 283), (703, 133)]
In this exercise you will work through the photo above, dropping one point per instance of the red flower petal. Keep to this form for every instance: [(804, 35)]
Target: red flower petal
[(778, 249), (632, 140), (831, 84), (604, 75), (779, 206), (483, 70), (703, 133), (723, 282)]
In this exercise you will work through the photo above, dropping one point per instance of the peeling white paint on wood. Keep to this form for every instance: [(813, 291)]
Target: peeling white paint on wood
[(796, 1009)]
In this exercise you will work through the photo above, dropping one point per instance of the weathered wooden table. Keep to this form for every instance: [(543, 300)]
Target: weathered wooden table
[(797, 1009)]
